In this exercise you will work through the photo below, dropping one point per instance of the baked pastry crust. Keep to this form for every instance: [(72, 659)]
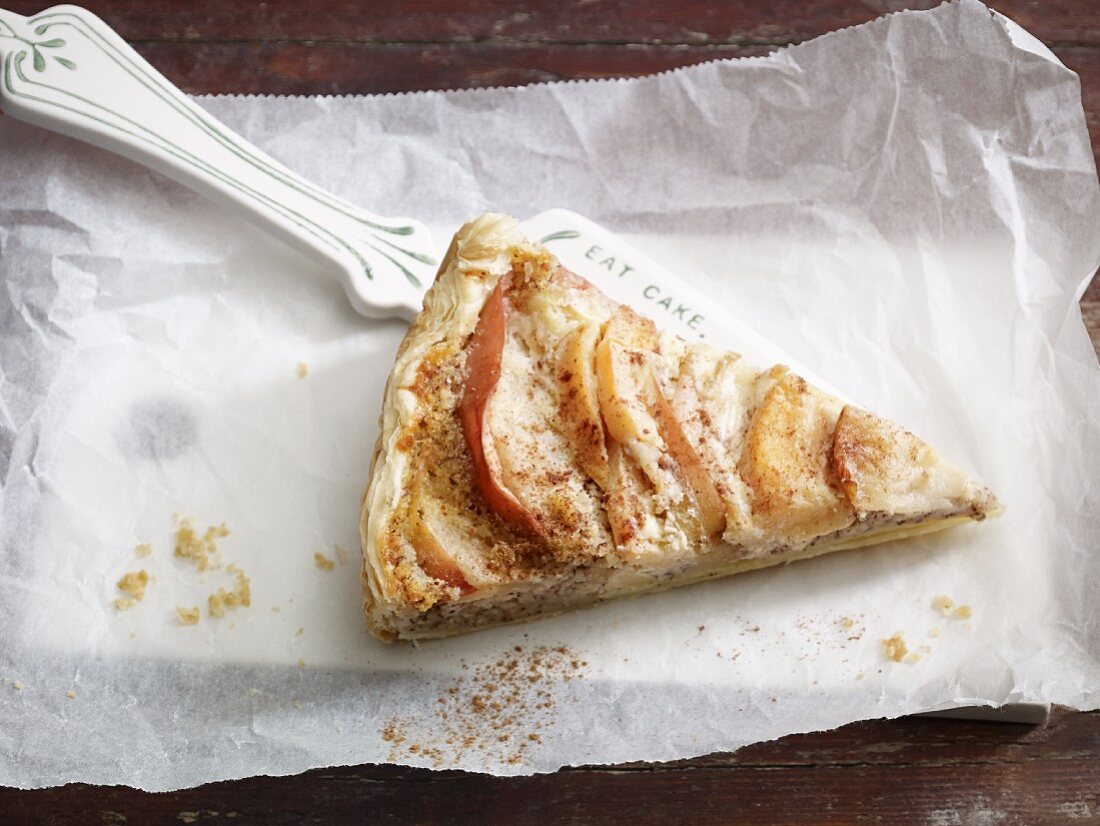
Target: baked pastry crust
[(544, 448)]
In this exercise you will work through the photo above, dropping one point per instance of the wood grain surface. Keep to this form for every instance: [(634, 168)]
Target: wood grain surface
[(923, 770)]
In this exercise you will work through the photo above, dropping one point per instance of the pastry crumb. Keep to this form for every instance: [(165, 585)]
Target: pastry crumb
[(297, 704), (132, 584), (275, 609), (302, 369), (188, 616), (18, 686), (301, 663), (222, 600), (202, 550), (70, 694), (143, 550), (860, 675), (341, 555), (895, 648), (322, 561), (847, 622), (299, 632), (946, 606)]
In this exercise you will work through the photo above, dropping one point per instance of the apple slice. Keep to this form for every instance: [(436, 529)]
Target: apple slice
[(621, 373), (881, 467), (638, 415), (431, 556), (579, 402), (785, 462), (482, 374), (690, 469)]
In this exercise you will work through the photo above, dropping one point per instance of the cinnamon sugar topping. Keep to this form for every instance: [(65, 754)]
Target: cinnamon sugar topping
[(497, 709)]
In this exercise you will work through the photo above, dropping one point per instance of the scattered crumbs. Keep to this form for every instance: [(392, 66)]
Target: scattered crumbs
[(202, 550), (847, 622), (143, 550), (275, 609), (341, 555), (943, 604), (301, 663), (253, 692), (894, 648), (322, 561), (702, 628), (298, 704), (18, 686), (70, 694), (303, 369), (393, 733), (498, 709), (860, 675), (935, 632), (188, 616), (133, 585), (339, 728), (911, 657), (222, 600), (299, 632), (946, 606)]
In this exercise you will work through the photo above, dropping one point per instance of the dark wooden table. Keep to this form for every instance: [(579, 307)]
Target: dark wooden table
[(906, 771)]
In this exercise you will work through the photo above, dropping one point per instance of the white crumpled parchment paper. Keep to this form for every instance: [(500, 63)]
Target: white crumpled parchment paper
[(909, 208)]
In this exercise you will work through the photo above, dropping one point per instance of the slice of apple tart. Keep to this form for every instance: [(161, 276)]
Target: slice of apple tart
[(544, 448)]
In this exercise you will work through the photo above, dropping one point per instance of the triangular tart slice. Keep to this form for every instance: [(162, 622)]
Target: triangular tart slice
[(545, 448)]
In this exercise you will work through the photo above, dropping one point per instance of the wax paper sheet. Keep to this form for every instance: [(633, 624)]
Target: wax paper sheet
[(909, 208)]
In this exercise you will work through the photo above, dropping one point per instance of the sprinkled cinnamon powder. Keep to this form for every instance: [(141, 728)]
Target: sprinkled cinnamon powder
[(498, 710)]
